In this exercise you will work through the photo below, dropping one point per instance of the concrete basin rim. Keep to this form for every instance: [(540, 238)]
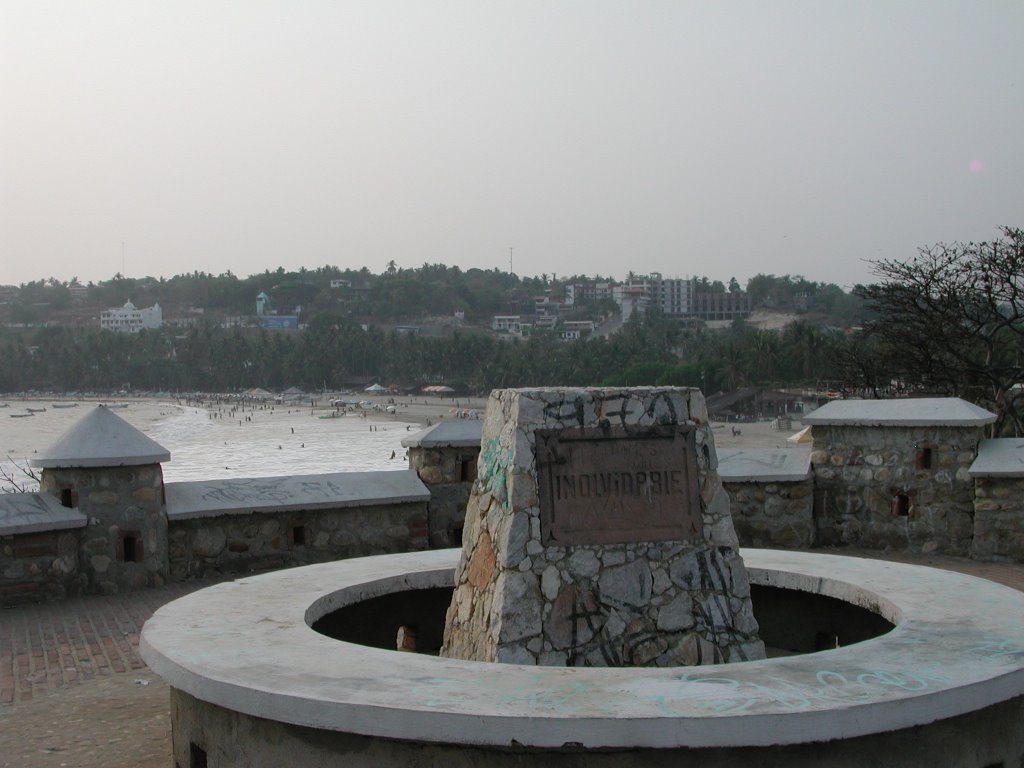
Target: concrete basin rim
[(285, 697), (847, 592)]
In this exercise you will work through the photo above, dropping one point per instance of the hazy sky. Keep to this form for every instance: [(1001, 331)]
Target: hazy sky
[(711, 138)]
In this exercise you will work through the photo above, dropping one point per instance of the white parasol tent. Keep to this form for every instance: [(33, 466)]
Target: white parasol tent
[(801, 437)]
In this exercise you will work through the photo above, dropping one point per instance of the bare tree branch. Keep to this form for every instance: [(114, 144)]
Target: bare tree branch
[(951, 320), (25, 480)]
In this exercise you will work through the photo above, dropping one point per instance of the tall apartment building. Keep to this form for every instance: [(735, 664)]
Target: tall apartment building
[(679, 297), (590, 291)]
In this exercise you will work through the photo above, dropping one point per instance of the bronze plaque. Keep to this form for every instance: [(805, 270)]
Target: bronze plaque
[(618, 485)]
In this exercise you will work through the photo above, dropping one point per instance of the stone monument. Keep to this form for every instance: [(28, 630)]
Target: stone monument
[(598, 534)]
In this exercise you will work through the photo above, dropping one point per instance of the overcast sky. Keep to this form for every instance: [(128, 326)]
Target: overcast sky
[(709, 138)]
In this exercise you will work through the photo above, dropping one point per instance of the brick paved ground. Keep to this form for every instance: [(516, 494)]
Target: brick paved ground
[(47, 646), (74, 692)]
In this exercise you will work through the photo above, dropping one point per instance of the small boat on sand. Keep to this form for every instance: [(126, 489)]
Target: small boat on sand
[(35, 410), (64, 405), (21, 415)]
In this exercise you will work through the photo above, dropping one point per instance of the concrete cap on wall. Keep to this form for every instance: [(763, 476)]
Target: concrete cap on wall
[(459, 433), (290, 493), (764, 465), (101, 438), (910, 412), (35, 512), (999, 457)]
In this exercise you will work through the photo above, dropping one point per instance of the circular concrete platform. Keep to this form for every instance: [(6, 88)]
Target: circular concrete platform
[(247, 647)]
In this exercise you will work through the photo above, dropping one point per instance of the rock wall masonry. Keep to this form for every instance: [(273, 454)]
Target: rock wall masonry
[(660, 603), (872, 488)]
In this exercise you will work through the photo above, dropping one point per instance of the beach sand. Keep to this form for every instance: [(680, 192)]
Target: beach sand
[(757, 434)]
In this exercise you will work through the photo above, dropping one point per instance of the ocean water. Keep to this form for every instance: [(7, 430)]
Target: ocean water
[(221, 444), (278, 444)]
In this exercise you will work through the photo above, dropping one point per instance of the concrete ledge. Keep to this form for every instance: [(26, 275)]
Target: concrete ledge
[(764, 465), (909, 412), (243, 496), (999, 457), (35, 513), (247, 646)]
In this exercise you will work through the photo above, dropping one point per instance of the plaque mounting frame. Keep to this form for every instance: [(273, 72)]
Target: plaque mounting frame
[(618, 485)]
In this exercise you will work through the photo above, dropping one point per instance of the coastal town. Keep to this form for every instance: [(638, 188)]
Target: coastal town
[(711, 440), (512, 384)]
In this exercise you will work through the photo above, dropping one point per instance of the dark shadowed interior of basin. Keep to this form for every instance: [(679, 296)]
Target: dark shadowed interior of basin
[(791, 621)]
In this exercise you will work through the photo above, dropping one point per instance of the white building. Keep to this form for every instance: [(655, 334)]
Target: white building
[(506, 323), (675, 295), (679, 297), (574, 330), (130, 319)]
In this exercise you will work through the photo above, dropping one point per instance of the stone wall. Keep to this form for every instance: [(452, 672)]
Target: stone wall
[(245, 542), (124, 546), (905, 488), (40, 565), (449, 473), (999, 518), (772, 514)]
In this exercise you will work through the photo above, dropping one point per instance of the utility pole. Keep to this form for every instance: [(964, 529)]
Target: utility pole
[(510, 259)]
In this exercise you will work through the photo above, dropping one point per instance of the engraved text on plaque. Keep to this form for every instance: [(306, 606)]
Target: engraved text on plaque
[(617, 485)]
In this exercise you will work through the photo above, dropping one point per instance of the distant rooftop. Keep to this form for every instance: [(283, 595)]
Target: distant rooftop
[(34, 512), (101, 438), (1000, 457), (456, 433), (911, 412), (780, 465)]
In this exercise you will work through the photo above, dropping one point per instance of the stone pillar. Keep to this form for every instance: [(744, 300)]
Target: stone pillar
[(598, 534)]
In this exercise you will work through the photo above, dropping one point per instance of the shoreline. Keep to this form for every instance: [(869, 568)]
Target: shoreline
[(422, 411)]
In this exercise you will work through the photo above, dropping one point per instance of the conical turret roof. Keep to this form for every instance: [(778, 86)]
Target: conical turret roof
[(101, 438)]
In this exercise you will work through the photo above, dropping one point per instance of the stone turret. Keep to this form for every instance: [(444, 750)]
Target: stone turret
[(896, 473), (111, 473)]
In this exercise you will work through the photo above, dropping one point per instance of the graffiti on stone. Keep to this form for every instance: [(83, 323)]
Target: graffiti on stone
[(273, 490), (492, 469)]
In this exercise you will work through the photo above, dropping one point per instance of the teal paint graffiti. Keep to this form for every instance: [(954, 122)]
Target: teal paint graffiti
[(829, 688), (997, 649), (492, 470)]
